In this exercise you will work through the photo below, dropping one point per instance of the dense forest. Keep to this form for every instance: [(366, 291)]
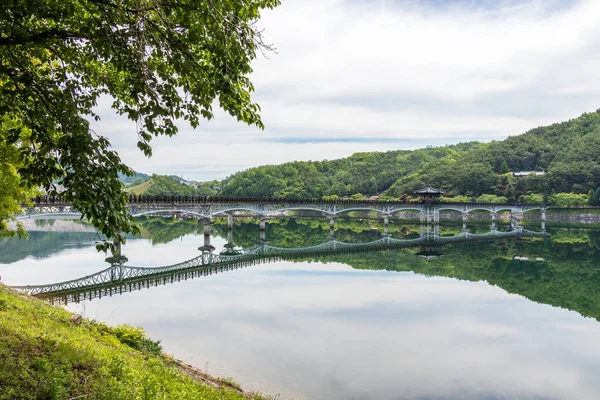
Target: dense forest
[(568, 153)]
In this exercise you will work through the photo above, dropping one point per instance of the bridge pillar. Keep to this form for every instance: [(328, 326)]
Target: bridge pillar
[(230, 236), (386, 224), (117, 247), (263, 224), (207, 227), (426, 230), (543, 220), (230, 221), (263, 236), (331, 222), (516, 215), (493, 216)]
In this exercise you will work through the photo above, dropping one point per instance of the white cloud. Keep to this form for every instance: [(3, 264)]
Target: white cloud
[(385, 70)]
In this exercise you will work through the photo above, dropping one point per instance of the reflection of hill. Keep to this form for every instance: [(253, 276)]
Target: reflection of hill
[(165, 230), (43, 244), (568, 276)]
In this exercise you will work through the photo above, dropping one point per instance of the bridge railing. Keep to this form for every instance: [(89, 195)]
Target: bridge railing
[(161, 199), (47, 200)]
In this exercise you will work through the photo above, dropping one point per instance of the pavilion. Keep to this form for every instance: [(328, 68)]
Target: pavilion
[(429, 193)]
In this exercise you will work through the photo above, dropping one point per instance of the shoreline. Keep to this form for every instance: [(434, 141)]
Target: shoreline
[(48, 352)]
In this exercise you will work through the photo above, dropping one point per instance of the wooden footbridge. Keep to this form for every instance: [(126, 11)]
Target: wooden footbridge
[(209, 207)]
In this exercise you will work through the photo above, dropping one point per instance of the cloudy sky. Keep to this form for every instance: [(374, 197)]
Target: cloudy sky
[(367, 75)]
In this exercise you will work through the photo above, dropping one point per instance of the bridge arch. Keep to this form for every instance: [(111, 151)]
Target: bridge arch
[(405, 208), (540, 208), (304, 208), (452, 208), (488, 209), (248, 209), (505, 208), (158, 212), (50, 215), (380, 211)]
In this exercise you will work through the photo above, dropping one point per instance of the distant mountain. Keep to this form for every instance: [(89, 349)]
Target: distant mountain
[(130, 179), (161, 185)]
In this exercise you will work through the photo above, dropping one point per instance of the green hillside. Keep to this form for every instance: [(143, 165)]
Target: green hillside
[(568, 153), (161, 185), (134, 179)]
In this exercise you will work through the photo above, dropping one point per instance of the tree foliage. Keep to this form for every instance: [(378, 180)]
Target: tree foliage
[(568, 199), (158, 60), (12, 193)]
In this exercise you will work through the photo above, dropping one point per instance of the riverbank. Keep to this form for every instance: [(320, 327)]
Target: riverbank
[(48, 353)]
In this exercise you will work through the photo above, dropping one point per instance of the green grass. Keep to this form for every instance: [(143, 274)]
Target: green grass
[(44, 355)]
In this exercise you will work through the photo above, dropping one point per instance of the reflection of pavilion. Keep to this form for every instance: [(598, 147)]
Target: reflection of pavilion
[(230, 250), (430, 251)]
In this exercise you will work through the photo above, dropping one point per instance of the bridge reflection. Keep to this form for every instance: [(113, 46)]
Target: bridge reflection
[(120, 278)]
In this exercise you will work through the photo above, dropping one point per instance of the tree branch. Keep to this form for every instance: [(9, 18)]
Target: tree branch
[(51, 34)]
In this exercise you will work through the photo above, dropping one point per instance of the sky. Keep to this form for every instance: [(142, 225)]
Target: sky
[(375, 75)]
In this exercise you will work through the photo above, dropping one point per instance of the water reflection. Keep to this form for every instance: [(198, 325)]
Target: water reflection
[(381, 324), (120, 278)]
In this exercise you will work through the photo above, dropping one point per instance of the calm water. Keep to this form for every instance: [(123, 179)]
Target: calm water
[(516, 318)]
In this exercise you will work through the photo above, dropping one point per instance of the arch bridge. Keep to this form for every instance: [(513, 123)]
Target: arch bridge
[(209, 207)]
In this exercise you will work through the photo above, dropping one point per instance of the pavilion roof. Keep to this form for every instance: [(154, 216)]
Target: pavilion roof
[(429, 190)]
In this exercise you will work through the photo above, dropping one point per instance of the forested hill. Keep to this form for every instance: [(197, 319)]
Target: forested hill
[(569, 153)]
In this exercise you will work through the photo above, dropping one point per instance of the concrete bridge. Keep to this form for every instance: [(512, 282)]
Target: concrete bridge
[(119, 278), (209, 207)]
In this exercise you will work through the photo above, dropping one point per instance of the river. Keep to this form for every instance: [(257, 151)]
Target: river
[(475, 317)]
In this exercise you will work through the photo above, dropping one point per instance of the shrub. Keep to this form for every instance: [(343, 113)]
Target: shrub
[(568, 199), (534, 199), (491, 198), (137, 339)]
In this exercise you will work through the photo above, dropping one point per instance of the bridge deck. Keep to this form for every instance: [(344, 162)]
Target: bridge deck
[(208, 207)]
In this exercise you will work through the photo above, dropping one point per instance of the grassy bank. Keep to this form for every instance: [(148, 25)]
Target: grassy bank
[(44, 354)]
